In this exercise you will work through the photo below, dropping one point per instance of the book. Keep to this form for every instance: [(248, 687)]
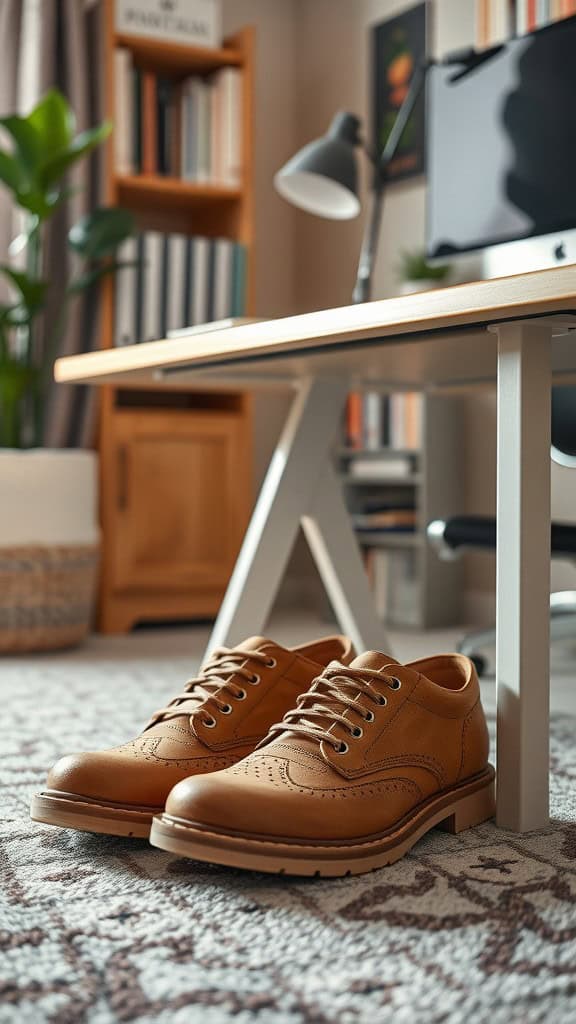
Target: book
[(136, 120), (177, 282), (354, 432), (381, 468), (125, 294), (123, 113), (153, 249), (149, 122), (372, 420), (392, 520)]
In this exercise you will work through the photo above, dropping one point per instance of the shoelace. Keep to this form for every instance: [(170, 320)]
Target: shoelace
[(330, 696), (208, 689)]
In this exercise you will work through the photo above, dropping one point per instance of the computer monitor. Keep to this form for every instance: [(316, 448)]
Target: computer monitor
[(501, 155)]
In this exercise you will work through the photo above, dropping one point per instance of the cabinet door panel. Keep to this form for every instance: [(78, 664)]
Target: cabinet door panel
[(180, 488)]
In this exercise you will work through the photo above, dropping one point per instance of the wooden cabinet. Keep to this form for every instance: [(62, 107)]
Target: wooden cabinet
[(177, 498)]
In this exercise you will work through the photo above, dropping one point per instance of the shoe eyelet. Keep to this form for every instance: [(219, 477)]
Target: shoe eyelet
[(396, 683), (342, 749), (255, 679), (382, 701), (271, 663), (241, 695), (357, 732), (210, 723), (369, 716), (226, 709)]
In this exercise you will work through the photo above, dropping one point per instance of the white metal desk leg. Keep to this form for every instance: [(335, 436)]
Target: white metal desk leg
[(523, 574), (298, 461), (337, 555)]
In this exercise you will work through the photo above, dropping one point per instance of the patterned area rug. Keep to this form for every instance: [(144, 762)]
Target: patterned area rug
[(476, 928)]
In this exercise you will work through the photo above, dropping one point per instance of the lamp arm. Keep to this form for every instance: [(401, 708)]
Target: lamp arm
[(363, 287)]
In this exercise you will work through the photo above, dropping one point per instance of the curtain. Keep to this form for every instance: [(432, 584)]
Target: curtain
[(45, 43)]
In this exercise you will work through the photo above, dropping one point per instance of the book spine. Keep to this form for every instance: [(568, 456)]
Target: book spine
[(542, 13), (152, 288), (149, 123), (123, 111), (223, 279), (164, 282), (372, 416), (163, 125), (137, 120), (211, 282), (177, 244), (238, 283), (354, 420), (531, 16), (125, 294), (201, 314), (190, 272), (139, 289)]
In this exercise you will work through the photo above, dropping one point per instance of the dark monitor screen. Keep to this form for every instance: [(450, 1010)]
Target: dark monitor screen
[(501, 145)]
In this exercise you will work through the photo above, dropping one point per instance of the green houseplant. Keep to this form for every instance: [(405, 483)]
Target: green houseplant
[(45, 147), (48, 525), (416, 274)]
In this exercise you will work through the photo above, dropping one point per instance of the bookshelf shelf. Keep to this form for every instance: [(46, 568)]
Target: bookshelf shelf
[(177, 59), (381, 539), (381, 481), (169, 193)]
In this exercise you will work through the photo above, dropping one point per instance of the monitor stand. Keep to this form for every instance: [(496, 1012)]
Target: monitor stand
[(542, 253)]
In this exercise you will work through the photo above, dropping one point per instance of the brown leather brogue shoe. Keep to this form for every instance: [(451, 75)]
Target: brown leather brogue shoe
[(219, 718), (371, 758)]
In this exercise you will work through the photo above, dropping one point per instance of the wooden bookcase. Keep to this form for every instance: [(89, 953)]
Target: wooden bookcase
[(175, 468)]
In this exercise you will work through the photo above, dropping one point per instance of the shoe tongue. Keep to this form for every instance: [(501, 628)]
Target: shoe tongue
[(373, 660)]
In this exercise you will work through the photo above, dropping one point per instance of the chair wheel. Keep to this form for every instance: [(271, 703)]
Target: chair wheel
[(480, 663)]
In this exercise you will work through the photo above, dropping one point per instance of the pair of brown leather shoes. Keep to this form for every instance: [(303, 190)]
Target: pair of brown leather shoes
[(305, 760)]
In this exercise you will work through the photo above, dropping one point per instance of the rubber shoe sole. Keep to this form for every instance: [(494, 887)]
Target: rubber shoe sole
[(84, 815), (453, 810)]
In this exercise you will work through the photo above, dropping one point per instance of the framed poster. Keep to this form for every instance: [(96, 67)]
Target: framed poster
[(398, 45)]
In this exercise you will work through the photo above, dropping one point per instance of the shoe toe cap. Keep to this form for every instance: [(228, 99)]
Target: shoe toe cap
[(111, 776)]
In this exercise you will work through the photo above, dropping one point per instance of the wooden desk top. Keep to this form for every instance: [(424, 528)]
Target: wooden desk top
[(368, 340)]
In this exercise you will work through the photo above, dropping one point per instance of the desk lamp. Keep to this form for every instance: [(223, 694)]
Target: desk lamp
[(322, 177)]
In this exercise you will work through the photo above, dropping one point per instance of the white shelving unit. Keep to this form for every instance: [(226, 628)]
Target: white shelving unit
[(436, 486)]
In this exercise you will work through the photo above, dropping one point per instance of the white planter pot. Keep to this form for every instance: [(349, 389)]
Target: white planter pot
[(412, 287), (49, 545)]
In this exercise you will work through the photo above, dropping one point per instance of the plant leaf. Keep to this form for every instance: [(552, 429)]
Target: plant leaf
[(10, 171), (53, 122), (32, 291), (27, 141), (99, 233), (60, 162)]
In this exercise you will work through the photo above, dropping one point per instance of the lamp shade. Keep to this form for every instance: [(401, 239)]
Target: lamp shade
[(322, 177)]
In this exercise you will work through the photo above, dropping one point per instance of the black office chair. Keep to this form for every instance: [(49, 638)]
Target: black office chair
[(466, 533)]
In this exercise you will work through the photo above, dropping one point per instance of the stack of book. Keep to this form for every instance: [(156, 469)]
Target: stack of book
[(375, 421), (176, 281), (499, 20), (189, 129)]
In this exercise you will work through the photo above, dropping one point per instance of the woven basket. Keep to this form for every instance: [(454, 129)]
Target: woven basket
[(46, 596)]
